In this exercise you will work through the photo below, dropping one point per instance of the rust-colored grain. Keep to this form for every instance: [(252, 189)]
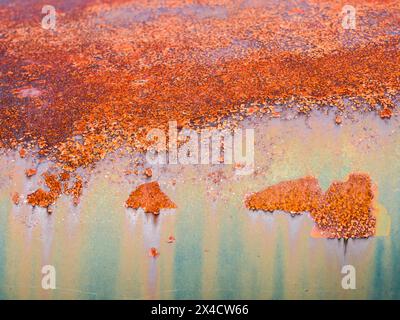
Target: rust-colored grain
[(149, 197)]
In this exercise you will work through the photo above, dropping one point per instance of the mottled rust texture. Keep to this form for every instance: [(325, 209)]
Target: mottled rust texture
[(112, 70), (150, 198), (345, 210), (76, 190)]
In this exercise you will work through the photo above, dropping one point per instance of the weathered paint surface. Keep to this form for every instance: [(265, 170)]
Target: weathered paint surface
[(222, 250)]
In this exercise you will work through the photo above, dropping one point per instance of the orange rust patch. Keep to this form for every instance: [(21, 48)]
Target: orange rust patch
[(171, 239), (30, 172), (149, 197), (218, 176), (64, 176), (148, 172), (294, 196), (76, 190), (344, 211), (52, 183), (42, 198), (22, 153)]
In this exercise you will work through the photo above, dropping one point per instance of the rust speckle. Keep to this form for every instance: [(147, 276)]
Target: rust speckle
[(148, 172), (76, 190), (294, 196), (153, 252), (22, 153)]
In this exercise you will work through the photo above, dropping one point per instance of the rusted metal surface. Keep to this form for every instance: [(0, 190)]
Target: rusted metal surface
[(111, 70)]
